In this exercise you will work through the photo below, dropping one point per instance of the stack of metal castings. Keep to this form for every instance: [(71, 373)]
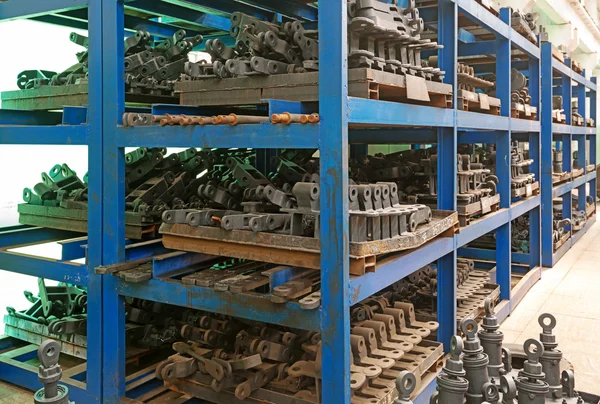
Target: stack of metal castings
[(29, 79), (526, 24), (386, 37), (150, 68), (519, 90), (153, 68), (468, 83), (576, 118), (240, 358), (522, 182), (247, 200), (473, 288), (558, 114), (416, 173), (63, 308), (261, 48), (154, 182), (561, 226), (557, 161), (519, 236), (381, 36), (50, 373), (484, 373)]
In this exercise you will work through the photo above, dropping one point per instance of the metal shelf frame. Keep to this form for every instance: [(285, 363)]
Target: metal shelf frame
[(559, 79), (342, 121)]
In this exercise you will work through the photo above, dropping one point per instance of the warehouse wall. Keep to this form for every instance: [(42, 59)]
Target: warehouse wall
[(31, 45)]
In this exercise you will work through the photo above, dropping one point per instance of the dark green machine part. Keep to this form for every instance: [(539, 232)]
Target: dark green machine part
[(52, 303), (34, 78)]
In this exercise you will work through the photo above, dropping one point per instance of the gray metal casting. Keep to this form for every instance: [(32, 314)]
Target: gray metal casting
[(475, 363), (50, 373), (491, 340), (451, 384), (531, 387)]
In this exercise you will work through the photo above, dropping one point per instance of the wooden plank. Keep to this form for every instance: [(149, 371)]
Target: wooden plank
[(75, 370)]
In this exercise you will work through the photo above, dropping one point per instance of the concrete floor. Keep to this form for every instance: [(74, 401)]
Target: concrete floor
[(571, 292)]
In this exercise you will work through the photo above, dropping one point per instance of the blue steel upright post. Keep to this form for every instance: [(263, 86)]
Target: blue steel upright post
[(114, 198), (447, 171), (546, 156), (335, 266), (94, 368), (503, 81), (535, 145)]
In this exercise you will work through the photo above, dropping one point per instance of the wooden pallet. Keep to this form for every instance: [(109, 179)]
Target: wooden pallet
[(297, 251), (558, 117), (476, 102), (527, 191), (562, 241), (577, 172), (590, 209), (560, 178), (304, 87), (479, 208), (523, 111)]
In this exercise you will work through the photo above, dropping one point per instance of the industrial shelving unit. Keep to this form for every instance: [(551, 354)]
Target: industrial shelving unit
[(343, 121), (559, 79)]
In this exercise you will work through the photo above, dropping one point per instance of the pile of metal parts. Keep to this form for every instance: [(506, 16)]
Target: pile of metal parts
[(29, 79), (579, 217), (154, 182), (49, 374), (519, 236), (558, 114), (525, 24), (519, 96), (150, 68), (62, 308), (415, 171), (473, 287), (239, 358), (289, 203), (561, 227), (141, 119), (381, 36), (480, 369), (467, 95)]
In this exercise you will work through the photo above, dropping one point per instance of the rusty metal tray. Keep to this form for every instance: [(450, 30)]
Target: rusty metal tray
[(298, 251)]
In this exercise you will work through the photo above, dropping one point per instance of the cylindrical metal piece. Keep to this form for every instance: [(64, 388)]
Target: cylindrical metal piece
[(491, 340), (551, 358)]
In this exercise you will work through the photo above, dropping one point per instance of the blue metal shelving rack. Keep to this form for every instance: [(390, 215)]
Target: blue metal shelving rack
[(342, 121), (569, 84)]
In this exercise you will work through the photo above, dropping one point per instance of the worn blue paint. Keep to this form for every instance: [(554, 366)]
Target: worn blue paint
[(392, 271), (95, 197), (74, 116), (165, 265), (44, 135), (250, 306), (44, 268), (114, 199), (21, 234), (333, 139)]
